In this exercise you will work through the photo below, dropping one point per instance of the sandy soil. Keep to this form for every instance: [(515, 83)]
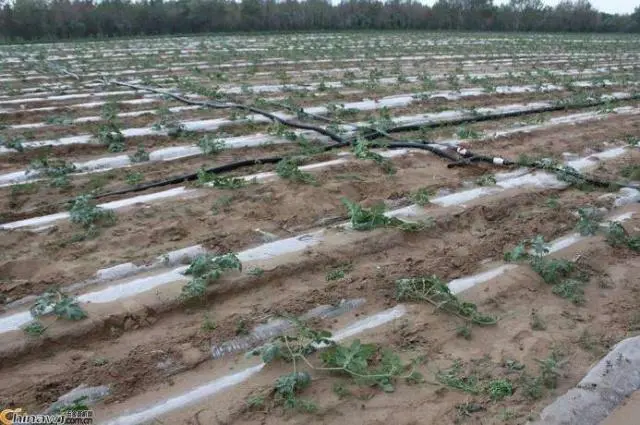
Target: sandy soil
[(626, 414), (153, 346)]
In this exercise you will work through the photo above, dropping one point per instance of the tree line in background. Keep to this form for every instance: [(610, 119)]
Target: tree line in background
[(64, 19)]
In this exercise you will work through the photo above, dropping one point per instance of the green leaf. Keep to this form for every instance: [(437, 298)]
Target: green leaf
[(288, 169), (390, 364), (516, 254), (141, 155), (78, 405), (633, 243), (270, 352), (436, 291), (211, 145), (228, 261), (206, 269), (387, 387), (43, 303), (454, 378), (589, 221), (366, 219), (34, 328), (68, 308), (539, 246), (421, 196), (552, 271), (361, 150), (219, 181), (486, 180), (209, 265), (616, 234), (571, 289), (83, 211), (288, 385), (195, 288), (353, 358), (415, 378), (499, 389)]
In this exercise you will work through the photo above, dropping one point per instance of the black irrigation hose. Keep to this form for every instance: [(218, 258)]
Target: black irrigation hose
[(193, 176), (470, 157), (340, 142), (267, 160), (589, 180), (421, 145), (390, 145), (216, 170), (373, 134), (231, 105)]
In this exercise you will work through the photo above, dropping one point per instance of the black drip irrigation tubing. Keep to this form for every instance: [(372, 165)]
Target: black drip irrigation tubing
[(267, 160), (470, 157), (372, 135), (193, 176)]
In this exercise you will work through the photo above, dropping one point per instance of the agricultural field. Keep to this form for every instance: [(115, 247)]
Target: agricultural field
[(363, 228)]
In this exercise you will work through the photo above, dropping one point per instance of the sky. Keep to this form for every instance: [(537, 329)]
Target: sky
[(609, 6)]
